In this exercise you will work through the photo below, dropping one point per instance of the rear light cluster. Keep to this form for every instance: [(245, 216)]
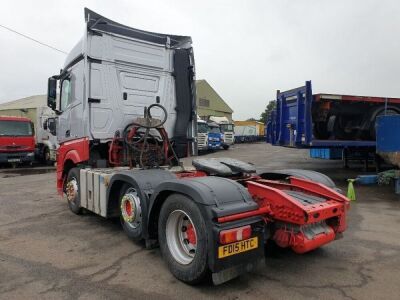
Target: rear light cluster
[(235, 234)]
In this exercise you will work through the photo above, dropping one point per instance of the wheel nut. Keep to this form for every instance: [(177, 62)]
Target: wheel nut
[(184, 228)]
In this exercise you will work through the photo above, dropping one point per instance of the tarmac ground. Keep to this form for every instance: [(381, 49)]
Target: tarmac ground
[(47, 252)]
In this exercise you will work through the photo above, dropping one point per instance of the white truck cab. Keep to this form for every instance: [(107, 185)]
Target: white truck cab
[(202, 135), (227, 129), (113, 73), (46, 134)]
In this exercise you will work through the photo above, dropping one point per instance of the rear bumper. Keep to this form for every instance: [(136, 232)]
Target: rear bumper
[(17, 157), (306, 238)]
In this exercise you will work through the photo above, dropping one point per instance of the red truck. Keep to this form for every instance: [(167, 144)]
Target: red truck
[(17, 140)]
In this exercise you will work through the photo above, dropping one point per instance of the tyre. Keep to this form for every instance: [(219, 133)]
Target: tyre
[(225, 147), (72, 191), (183, 239), (299, 173), (46, 157), (320, 131), (271, 249), (131, 212), (340, 129)]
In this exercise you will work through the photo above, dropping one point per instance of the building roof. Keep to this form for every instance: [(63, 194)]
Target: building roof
[(205, 90), (28, 102)]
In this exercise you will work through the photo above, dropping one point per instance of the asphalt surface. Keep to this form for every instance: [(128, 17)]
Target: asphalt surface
[(46, 252)]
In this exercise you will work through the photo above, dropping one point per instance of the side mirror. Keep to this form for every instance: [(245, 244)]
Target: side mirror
[(52, 93), (51, 125)]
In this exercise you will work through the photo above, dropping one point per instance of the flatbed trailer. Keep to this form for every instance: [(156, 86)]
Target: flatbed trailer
[(304, 120), (362, 151)]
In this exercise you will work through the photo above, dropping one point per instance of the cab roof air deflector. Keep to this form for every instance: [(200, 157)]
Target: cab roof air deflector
[(97, 22)]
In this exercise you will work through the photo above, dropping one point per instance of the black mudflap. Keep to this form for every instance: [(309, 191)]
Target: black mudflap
[(235, 271), (228, 267)]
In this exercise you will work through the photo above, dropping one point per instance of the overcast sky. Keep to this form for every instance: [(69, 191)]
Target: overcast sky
[(245, 49)]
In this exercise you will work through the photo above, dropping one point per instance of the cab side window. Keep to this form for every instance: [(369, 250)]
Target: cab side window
[(66, 98)]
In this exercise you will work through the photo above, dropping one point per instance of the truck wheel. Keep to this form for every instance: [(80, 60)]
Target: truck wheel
[(46, 156), (321, 130), (183, 239), (131, 212), (72, 191)]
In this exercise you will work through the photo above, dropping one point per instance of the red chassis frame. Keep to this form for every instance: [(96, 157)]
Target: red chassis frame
[(293, 218), (301, 226)]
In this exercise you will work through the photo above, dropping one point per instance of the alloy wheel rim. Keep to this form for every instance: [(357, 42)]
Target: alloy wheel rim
[(181, 237)]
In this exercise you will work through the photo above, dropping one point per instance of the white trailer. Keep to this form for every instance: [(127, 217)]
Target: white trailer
[(246, 130)]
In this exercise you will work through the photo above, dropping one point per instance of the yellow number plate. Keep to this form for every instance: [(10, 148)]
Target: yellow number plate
[(238, 247)]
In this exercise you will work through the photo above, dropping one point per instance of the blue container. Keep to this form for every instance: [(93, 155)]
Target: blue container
[(367, 179), (388, 133), (326, 153)]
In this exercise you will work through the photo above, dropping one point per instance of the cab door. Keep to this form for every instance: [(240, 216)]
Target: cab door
[(71, 100), (64, 131)]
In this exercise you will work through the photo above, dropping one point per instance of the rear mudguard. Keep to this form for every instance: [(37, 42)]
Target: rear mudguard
[(299, 173), (221, 196), (215, 197)]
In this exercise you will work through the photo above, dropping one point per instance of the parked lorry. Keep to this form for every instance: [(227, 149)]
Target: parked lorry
[(209, 136), (17, 140), (43, 119), (202, 135), (227, 130), (305, 120), (249, 131), (126, 114), (214, 136)]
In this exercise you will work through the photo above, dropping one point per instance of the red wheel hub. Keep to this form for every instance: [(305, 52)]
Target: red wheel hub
[(191, 234), (128, 208)]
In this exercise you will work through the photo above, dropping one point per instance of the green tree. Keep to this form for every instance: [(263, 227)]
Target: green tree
[(270, 107)]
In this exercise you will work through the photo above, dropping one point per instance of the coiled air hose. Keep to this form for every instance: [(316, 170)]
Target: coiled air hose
[(141, 145)]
